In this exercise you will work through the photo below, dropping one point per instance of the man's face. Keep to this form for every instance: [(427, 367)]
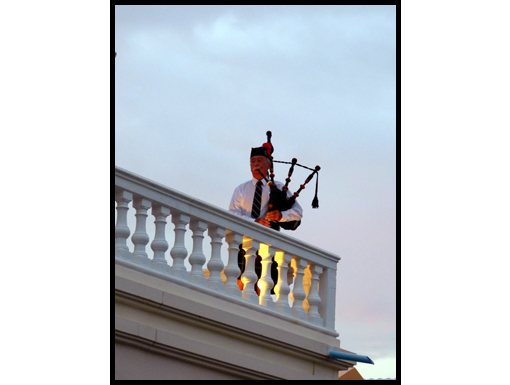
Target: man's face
[(261, 163)]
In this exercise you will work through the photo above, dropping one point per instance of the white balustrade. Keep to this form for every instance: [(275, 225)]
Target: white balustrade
[(232, 270), (298, 294), (266, 283), (249, 276), (314, 300), (159, 245), (311, 270), (140, 237), (282, 289), (179, 251), (215, 265), (121, 228), (197, 257)]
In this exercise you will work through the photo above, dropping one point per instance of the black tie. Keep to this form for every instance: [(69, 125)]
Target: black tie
[(255, 208)]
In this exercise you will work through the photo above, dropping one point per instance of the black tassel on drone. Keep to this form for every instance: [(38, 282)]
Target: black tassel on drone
[(315, 202)]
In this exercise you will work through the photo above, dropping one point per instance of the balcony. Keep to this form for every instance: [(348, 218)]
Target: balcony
[(179, 307)]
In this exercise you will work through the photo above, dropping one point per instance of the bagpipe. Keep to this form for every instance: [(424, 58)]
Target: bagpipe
[(278, 199)]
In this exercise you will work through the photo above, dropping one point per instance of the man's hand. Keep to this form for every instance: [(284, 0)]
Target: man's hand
[(274, 216), (263, 221), (271, 216)]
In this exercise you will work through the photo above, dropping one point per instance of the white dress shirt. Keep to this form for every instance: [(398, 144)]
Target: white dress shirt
[(242, 201)]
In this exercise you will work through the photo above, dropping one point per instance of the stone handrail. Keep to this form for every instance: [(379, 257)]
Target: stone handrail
[(313, 269)]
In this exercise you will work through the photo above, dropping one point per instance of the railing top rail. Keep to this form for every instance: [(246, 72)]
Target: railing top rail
[(193, 207)]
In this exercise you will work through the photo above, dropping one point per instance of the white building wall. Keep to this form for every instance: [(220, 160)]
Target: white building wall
[(167, 331), (135, 363)]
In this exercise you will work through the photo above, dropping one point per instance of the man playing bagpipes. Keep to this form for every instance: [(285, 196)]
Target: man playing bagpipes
[(267, 202)]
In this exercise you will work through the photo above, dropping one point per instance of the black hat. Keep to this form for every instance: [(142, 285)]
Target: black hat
[(259, 151)]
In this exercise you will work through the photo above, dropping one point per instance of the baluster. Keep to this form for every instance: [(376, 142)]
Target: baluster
[(249, 276), (179, 251), (215, 265), (197, 257), (159, 245), (327, 292), (282, 289), (313, 297), (140, 238), (298, 294), (121, 228), (266, 283), (232, 270), (307, 282)]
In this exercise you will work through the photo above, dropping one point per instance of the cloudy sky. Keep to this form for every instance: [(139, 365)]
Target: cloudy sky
[(196, 86)]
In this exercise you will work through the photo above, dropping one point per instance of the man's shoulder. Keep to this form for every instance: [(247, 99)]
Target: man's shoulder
[(245, 184)]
